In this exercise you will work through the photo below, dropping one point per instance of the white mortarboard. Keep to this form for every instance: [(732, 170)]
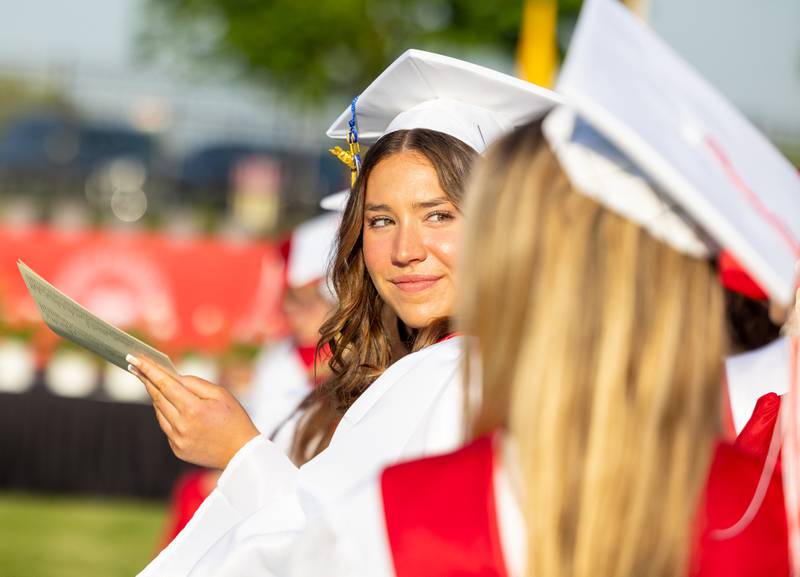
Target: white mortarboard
[(420, 89), (703, 167), (336, 201), (311, 249)]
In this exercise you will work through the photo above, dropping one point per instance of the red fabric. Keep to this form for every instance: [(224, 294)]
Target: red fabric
[(735, 278), (762, 548), (448, 337), (179, 294), (307, 355), (757, 433), (188, 495), (285, 249), (441, 517)]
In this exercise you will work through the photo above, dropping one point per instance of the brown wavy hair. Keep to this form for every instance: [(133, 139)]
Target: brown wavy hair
[(363, 334)]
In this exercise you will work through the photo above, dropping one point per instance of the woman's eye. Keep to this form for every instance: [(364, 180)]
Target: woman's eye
[(379, 222), (440, 216)]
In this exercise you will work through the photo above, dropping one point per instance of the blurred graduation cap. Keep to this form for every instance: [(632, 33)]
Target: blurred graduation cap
[(311, 248), (426, 90), (649, 138), (336, 201)]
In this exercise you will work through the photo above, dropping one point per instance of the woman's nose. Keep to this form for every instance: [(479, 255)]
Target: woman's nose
[(408, 246)]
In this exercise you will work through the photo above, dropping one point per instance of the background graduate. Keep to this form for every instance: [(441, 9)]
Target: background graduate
[(286, 372)]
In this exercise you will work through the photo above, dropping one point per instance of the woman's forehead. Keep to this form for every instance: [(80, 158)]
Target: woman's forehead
[(406, 178)]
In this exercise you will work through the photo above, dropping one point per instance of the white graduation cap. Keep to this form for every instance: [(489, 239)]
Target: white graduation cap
[(336, 201), (706, 177), (426, 90), (311, 249)]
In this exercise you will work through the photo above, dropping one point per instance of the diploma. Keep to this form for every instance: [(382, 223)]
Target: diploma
[(73, 322)]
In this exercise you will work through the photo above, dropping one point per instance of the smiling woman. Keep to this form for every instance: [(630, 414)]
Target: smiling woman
[(397, 246), (394, 391)]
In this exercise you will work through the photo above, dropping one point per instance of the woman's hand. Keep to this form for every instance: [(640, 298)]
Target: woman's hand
[(204, 423)]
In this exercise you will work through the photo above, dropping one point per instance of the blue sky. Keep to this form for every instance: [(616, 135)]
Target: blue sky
[(97, 31), (749, 49)]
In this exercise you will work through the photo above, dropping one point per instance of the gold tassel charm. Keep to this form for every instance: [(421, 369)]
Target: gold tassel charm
[(344, 156)]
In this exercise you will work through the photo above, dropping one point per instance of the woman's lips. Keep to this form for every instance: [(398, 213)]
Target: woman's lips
[(415, 282)]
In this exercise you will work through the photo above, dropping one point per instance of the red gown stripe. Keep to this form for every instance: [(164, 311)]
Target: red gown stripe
[(762, 547), (441, 517)]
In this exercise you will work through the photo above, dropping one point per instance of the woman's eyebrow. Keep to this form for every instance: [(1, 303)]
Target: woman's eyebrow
[(416, 205), (378, 207), (431, 203)]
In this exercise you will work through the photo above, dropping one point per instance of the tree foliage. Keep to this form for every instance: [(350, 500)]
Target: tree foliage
[(18, 96), (327, 47)]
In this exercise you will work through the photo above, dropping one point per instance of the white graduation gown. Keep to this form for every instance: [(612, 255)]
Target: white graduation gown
[(250, 522), (280, 383), (753, 374), (350, 540)]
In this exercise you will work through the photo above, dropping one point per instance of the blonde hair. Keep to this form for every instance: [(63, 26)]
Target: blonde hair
[(601, 353)]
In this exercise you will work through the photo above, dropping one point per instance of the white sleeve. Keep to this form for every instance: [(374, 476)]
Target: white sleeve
[(260, 508), (259, 476), (321, 551), (349, 540)]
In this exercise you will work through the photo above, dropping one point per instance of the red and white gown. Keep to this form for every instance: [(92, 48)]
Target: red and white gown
[(753, 374), (454, 515), (251, 521), (283, 377), (188, 493)]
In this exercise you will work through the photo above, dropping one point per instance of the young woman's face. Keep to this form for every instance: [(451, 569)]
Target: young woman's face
[(411, 239)]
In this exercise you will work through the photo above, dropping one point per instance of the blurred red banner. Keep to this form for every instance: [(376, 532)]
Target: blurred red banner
[(180, 293)]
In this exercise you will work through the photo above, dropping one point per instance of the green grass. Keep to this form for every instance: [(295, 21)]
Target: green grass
[(76, 537)]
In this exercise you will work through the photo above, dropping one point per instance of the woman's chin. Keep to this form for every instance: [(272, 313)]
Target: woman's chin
[(421, 319), (420, 309)]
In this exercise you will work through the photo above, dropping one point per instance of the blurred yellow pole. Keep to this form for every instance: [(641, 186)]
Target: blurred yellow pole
[(536, 53), (639, 7)]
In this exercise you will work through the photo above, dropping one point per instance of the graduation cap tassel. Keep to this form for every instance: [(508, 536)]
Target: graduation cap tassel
[(355, 147), (344, 156)]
